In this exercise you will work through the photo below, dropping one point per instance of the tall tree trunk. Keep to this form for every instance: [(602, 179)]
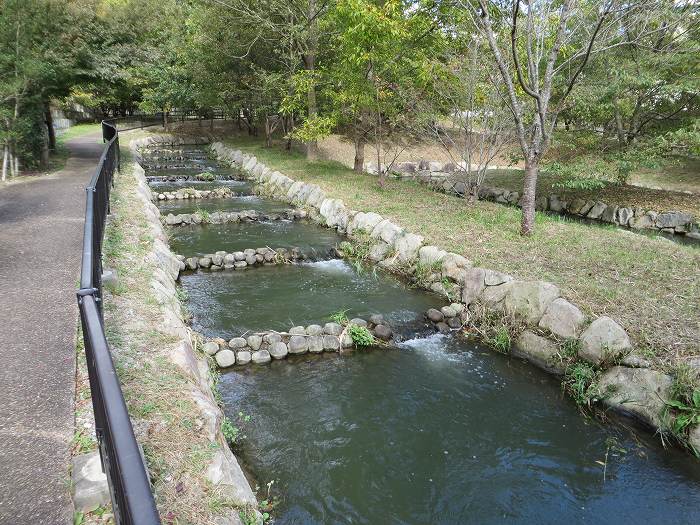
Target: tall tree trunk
[(268, 132), (5, 159), (619, 128), (310, 62), (44, 150), (49, 128), (165, 120), (529, 193), (360, 141)]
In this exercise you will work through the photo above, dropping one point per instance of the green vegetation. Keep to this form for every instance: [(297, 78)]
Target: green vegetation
[(79, 130), (683, 407), (580, 382), (360, 335), (206, 176), (339, 317), (500, 341)]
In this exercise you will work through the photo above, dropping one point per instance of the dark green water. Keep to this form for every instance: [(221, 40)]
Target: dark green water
[(246, 202), (443, 432), (202, 239), (279, 297)]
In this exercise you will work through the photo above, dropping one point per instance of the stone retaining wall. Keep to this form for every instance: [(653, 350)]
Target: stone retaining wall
[(446, 178), (550, 319), (263, 347), (223, 472)]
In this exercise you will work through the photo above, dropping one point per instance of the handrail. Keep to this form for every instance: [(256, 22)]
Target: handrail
[(129, 485)]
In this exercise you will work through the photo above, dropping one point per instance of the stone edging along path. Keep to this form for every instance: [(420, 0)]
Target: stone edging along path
[(444, 177), (550, 321), (223, 471)]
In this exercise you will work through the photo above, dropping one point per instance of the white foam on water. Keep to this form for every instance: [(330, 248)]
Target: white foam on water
[(332, 265), (434, 347)]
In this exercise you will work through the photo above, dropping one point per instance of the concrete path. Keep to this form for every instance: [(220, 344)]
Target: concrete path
[(41, 222)]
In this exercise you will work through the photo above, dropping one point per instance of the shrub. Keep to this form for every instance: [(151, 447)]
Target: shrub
[(360, 335)]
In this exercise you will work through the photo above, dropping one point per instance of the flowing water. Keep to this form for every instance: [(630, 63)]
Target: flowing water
[(278, 297), (199, 240), (239, 203), (444, 432), (439, 431)]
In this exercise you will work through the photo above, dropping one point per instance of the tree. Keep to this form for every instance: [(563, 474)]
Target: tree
[(470, 100), (379, 75), (541, 49), (291, 31)]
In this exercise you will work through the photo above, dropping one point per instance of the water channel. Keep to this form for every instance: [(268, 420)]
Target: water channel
[(437, 431)]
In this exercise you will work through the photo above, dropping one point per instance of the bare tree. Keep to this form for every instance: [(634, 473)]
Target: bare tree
[(540, 48), (480, 122)]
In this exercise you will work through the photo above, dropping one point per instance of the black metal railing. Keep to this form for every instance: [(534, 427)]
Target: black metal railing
[(130, 489)]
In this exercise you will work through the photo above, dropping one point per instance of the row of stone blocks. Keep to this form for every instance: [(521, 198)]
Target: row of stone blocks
[(241, 260), (221, 217), (263, 347)]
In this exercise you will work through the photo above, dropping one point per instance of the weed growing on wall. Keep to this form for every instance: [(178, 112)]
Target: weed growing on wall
[(682, 411), (361, 336), (581, 383)]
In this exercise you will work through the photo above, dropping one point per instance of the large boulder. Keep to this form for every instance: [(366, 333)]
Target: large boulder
[(364, 222), (278, 350), (429, 255), (261, 357), (407, 246), (379, 251), (225, 358), (563, 319), (334, 212), (298, 344), (472, 285), (603, 340), (386, 231), (672, 219), (638, 392), (529, 300), (540, 351), (597, 210), (454, 266)]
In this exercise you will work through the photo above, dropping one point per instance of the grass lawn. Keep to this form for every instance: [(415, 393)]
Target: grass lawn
[(650, 285), (78, 131)]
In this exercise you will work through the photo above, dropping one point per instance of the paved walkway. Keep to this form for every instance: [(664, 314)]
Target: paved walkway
[(41, 224)]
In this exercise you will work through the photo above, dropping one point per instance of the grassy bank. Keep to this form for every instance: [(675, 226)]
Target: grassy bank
[(649, 285), (157, 393)]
